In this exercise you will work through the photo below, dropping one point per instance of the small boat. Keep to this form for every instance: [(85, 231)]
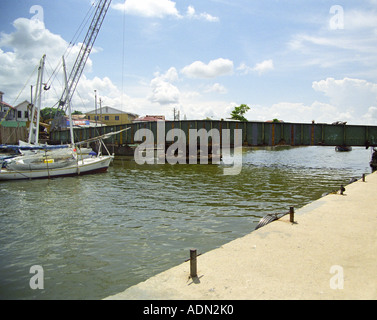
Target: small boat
[(343, 148), (69, 168), (59, 163), (39, 161)]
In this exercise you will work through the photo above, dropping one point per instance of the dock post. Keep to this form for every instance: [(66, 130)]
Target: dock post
[(193, 265), (363, 177), (291, 214)]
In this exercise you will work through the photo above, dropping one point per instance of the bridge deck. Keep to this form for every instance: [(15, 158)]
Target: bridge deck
[(253, 133)]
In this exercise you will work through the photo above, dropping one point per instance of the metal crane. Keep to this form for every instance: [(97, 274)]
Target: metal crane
[(78, 67)]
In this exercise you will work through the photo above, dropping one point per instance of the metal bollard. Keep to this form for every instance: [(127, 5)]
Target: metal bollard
[(363, 177), (342, 189), (193, 264), (291, 214)]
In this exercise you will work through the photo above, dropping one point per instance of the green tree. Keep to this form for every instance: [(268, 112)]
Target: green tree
[(49, 113), (238, 112)]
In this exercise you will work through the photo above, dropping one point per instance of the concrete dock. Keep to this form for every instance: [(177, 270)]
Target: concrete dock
[(329, 252)]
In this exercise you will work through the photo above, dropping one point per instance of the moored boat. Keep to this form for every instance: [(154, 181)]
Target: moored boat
[(74, 168), (343, 148)]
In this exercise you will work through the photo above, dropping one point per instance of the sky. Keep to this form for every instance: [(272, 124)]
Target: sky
[(293, 60)]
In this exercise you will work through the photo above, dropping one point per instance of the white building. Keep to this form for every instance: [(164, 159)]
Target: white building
[(23, 111)]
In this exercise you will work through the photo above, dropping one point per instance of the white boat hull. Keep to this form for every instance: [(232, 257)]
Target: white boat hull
[(84, 166)]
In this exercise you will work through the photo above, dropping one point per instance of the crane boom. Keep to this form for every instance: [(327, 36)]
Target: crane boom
[(86, 48)]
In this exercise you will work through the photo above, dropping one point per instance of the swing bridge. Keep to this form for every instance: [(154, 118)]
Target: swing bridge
[(253, 134)]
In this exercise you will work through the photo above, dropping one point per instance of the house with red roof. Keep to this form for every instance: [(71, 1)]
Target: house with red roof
[(7, 112)]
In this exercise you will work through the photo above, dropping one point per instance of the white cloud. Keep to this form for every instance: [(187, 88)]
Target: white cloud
[(245, 68), (354, 99), (163, 91), (351, 100), (354, 45), (20, 53), (260, 68), (191, 13), (358, 19), (199, 109), (213, 69), (371, 116), (160, 9), (171, 75), (149, 8), (216, 87), (297, 112), (264, 66), (348, 93)]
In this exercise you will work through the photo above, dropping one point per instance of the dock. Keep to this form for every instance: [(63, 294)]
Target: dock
[(328, 252)]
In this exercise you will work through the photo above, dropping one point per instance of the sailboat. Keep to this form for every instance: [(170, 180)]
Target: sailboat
[(54, 161), (44, 168)]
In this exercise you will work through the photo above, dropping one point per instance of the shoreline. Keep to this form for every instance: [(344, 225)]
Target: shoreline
[(327, 253)]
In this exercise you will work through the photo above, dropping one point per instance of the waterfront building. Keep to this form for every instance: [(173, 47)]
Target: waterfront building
[(111, 116)]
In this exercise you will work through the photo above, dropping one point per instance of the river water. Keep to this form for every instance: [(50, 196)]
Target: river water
[(97, 235)]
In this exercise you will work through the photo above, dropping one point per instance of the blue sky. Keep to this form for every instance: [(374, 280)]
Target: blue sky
[(294, 60)]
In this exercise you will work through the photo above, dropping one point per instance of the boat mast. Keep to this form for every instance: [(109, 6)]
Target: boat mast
[(34, 128), (68, 103)]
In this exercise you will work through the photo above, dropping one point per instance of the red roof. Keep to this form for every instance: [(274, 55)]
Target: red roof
[(149, 118), (7, 105)]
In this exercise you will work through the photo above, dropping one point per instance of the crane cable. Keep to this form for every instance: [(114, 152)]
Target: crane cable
[(75, 37)]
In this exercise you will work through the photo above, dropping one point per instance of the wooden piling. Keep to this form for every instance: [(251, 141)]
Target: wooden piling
[(291, 214), (193, 263)]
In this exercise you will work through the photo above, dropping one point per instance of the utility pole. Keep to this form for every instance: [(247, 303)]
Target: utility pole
[(176, 115), (100, 110), (95, 105)]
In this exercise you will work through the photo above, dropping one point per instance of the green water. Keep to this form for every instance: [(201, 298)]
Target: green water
[(97, 235)]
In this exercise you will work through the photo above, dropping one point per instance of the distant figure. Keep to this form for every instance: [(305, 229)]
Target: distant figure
[(373, 162)]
